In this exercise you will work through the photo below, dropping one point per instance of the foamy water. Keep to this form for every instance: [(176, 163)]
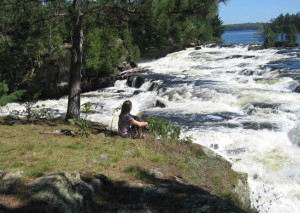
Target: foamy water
[(235, 101)]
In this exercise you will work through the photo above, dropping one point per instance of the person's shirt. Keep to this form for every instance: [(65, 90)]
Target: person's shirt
[(124, 124)]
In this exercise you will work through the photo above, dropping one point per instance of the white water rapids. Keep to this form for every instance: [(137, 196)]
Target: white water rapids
[(237, 102)]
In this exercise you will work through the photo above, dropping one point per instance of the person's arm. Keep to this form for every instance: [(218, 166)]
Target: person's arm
[(139, 123)]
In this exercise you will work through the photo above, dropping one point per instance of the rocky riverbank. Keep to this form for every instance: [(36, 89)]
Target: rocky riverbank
[(72, 192)]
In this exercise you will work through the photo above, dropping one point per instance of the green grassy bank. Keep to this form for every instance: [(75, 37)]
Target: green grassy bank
[(38, 148)]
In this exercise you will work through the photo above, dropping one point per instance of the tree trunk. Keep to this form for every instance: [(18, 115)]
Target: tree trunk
[(76, 64)]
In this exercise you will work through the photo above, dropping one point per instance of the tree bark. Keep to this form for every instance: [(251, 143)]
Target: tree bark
[(76, 64)]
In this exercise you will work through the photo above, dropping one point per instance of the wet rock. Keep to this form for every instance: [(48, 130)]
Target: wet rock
[(260, 125), (249, 56), (297, 90), (234, 56), (160, 104), (213, 46), (198, 48), (214, 146), (137, 92), (236, 151), (255, 176), (266, 105), (247, 72), (294, 135), (154, 86), (135, 81)]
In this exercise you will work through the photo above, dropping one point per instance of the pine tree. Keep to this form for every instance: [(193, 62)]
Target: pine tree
[(292, 35)]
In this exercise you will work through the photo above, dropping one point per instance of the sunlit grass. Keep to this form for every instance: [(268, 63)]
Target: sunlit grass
[(26, 147)]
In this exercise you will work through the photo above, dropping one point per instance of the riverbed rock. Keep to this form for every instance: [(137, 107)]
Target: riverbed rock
[(159, 104), (297, 90), (135, 81)]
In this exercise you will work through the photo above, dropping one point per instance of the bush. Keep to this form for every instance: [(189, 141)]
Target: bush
[(84, 127), (7, 98), (162, 128)]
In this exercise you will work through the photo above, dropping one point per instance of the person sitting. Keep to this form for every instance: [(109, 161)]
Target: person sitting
[(127, 122)]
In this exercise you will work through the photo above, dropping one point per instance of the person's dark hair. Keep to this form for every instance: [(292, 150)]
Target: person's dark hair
[(126, 108)]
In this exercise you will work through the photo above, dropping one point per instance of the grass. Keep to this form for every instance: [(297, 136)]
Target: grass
[(24, 147)]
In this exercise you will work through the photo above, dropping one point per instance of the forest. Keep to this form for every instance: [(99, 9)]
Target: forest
[(97, 36), (282, 31), (244, 26)]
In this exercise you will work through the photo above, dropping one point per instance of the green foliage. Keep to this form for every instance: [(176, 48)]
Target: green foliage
[(292, 35), (269, 37), (84, 127), (218, 29), (34, 34), (174, 23), (29, 107), (7, 98), (284, 28), (102, 53), (244, 26), (162, 128)]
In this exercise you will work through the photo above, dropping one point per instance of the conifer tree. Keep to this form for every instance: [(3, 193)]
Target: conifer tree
[(292, 35)]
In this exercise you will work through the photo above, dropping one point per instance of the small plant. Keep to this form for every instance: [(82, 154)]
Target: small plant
[(29, 111), (162, 128), (44, 113), (83, 124)]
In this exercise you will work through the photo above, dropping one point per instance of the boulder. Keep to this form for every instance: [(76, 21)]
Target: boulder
[(297, 90), (9, 179), (159, 104), (64, 192), (135, 81)]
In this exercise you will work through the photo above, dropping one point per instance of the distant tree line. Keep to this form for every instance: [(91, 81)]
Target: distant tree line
[(100, 34), (282, 31), (244, 26)]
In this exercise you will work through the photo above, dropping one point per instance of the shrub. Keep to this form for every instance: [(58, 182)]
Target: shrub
[(84, 127), (162, 128), (7, 98)]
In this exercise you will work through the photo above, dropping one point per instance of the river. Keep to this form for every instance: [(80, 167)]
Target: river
[(245, 37), (237, 102)]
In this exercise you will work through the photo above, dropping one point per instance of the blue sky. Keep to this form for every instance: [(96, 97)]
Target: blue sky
[(244, 11)]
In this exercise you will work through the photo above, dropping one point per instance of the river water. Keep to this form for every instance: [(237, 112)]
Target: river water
[(245, 37), (237, 102)]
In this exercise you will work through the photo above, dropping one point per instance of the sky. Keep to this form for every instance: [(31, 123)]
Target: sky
[(245, 11)]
